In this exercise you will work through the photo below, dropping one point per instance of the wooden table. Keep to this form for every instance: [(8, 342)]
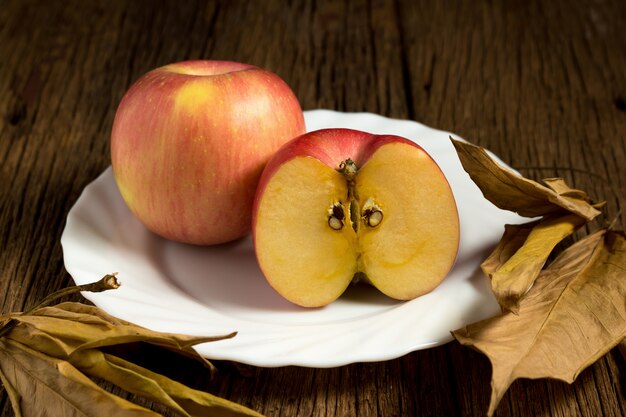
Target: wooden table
[(542, 84)]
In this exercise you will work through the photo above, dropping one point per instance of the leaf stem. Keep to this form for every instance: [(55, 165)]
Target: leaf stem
[(107, 282)]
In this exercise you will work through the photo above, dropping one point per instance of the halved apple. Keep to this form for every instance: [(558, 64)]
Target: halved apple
[(338, 205)]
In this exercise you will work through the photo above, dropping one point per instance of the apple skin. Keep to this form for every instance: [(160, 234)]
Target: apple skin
[(190, 141), (332, 147)]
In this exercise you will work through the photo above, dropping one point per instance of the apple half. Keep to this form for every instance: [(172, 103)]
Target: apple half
[(339, 205)]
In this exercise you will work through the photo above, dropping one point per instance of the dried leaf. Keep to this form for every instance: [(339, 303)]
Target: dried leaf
[(14, 396), (559, 186), (510, 191), (574, 314), (60, 330), (73, 332), (43, 351), (55, 387), (141, 381), (513, 238), (521, 254)]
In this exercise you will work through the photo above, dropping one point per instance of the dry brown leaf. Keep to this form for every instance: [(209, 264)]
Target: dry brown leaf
[(43, 351), (141, 381), (60, 330), (521, 254), (559, 186), (55, 388), (513, 238), (510, 191), (574, 314), (14, 397)]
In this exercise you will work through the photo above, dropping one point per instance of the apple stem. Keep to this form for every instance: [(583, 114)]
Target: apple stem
[(348, 168)]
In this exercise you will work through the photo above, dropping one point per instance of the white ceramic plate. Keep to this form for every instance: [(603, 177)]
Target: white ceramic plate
[(173, 287)]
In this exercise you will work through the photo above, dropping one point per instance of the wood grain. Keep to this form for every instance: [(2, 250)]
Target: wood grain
[(542, 84)]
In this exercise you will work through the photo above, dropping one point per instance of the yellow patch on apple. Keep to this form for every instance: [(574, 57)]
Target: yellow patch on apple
[(193, 95)]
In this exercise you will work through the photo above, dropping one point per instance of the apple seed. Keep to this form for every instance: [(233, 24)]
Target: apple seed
[(338, 211), (335, 223), (372, 213), (374, 218), (336, 216)]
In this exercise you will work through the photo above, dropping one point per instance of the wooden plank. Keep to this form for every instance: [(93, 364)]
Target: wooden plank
[(543, 84)]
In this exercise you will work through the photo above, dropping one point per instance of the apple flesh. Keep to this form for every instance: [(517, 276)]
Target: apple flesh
[(336, 205), (190, 141)]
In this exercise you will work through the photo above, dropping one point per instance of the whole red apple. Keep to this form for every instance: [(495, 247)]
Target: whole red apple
[(337, 205), (190, 141)]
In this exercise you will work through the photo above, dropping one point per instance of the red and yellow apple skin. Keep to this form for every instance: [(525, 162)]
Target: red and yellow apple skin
[(189, 143), (391, 221)]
